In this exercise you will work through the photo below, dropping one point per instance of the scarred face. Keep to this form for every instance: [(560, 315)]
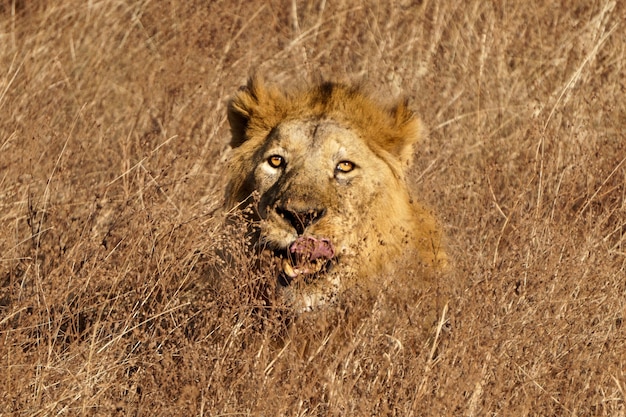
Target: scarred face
[(312, 177)]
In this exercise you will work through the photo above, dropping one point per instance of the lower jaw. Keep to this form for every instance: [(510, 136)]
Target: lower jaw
[(305, 295)]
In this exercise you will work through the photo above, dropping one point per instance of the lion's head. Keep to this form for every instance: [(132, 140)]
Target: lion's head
[(328, 165)]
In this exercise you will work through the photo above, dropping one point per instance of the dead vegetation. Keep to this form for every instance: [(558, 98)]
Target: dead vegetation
[(113, 142)]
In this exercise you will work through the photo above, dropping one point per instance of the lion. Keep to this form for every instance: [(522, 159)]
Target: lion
[(327, 164)]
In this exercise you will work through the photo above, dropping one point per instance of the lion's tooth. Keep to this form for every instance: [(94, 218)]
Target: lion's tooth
[(288, 269), (317, 266)]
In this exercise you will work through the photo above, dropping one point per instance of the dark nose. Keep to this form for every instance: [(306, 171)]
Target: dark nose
[(301, 219)]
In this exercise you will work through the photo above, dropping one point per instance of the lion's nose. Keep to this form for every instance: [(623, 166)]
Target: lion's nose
[(301, 219)]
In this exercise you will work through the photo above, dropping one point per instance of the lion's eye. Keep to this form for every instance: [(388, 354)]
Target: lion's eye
[(345, 166), (276, 161)]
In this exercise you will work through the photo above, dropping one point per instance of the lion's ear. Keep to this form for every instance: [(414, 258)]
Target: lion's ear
[(408, 128), (241, 109), (254, 106)]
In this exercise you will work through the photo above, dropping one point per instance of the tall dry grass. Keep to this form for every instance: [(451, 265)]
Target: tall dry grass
[(113, 143)]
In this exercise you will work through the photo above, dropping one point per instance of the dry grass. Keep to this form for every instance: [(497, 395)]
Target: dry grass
[(113, 143)]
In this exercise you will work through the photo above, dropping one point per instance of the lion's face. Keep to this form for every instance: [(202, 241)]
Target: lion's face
[(314, 177), (317, 182), (333, 206)]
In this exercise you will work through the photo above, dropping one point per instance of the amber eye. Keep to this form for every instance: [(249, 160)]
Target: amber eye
[(276, 161), (345, 166)]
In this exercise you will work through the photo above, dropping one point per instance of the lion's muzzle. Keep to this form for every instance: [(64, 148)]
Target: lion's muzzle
[(300, 219)]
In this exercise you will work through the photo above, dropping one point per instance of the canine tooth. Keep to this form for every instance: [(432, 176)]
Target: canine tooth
[(288, 269)]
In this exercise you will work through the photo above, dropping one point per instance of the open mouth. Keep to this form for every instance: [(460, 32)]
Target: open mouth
[(306, 257)]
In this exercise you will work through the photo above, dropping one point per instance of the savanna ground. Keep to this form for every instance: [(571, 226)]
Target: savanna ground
[(113, 147)]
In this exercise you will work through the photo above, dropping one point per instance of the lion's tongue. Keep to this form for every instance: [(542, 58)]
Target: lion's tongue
[(309, 253), (312, 248)]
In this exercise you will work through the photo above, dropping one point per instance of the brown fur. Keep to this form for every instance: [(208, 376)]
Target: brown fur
[(367, 212)]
